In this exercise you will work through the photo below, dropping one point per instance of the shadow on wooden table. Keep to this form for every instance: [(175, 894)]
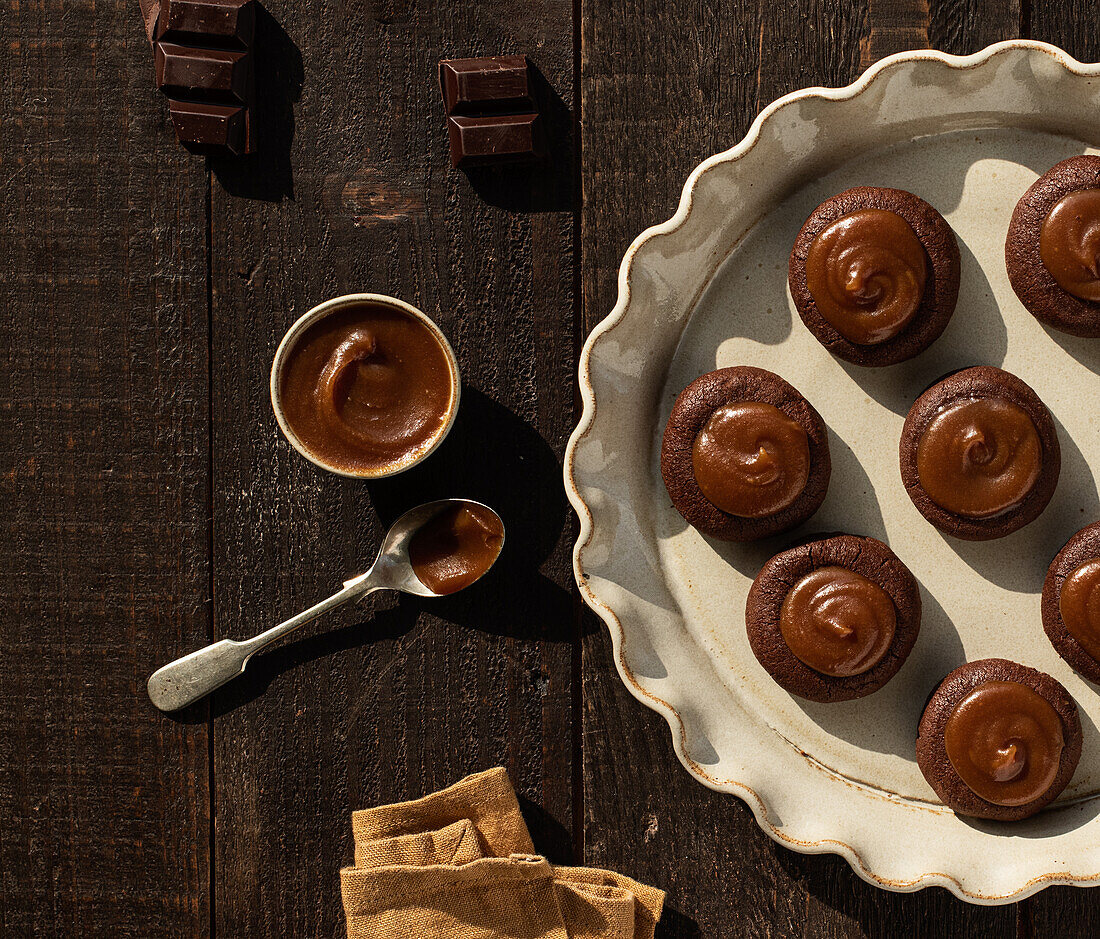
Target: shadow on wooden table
[(544, 186), (932, 912), (552, 839), (495, 456), (675, 925), (267, 174), (369, 626)]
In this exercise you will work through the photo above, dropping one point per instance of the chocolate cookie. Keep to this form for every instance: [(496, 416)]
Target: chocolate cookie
[(1052, 251), (979, 454), (998, 740), (833, 619), (744, 455), (1071, 602), (874, 274)]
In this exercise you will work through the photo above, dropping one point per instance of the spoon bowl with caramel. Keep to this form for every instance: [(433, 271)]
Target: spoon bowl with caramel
[(433, 550)]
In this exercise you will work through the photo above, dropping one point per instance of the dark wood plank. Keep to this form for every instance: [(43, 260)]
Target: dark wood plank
[(401, 696), (697, 76), (104, 482), (895, 25), (965, 26)]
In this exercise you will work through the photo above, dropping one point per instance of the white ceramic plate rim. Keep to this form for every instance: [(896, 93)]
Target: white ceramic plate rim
[(634, 683)]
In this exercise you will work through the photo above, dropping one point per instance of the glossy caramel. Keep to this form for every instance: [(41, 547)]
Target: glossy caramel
[(367, 388), (751, 460), (1079, 604), (456, 547), (979, 457), (1069, 243), (838, 622), (1005, 741)]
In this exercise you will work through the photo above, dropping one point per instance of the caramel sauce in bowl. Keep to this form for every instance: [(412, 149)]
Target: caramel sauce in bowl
[(365, 386)]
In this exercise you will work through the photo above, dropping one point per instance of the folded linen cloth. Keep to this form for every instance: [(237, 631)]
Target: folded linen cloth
[(459, 864)]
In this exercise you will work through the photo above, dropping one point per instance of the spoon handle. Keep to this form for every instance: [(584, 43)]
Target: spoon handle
[(194, 676)]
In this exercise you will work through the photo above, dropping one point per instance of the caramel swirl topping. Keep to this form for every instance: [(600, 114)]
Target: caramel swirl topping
[(1005, 741), (979, 457), (1079, 604), (838, 622), (751, 460), (866, 272), (1069, 243)]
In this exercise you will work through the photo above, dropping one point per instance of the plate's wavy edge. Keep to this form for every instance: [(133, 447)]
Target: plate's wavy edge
[(588, 414)]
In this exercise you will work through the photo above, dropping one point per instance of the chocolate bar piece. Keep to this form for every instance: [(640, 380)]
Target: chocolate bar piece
[(204, 125), (493, 83), (491, 112), (220, 22), (493, 138), (204, 64), (191, 71)]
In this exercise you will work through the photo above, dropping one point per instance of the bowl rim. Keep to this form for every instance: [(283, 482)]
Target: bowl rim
[(327, 308)]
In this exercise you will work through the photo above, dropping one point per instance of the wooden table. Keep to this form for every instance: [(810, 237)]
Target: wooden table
[(151, 505)]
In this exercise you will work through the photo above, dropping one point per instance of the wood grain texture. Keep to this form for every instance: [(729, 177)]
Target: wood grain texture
[(894, 25), (965, 26), (402, 696), (104, 483), (643, 813)]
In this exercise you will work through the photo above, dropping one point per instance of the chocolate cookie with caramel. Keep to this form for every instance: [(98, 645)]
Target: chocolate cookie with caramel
[(874, 274), (1071, 602), (744, 455), (1052, 251), (833, 619), (979, 454), (998, 740)]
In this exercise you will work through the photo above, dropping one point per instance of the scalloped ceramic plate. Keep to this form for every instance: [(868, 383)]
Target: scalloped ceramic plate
[(707, 289)]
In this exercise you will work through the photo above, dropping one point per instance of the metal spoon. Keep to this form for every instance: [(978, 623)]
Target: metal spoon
[(194, 676)]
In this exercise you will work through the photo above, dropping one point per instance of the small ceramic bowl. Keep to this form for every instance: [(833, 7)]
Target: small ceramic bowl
[(342, 303)]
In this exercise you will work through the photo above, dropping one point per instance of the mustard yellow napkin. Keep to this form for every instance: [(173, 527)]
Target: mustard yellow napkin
[(459, 864), (486, 799)]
